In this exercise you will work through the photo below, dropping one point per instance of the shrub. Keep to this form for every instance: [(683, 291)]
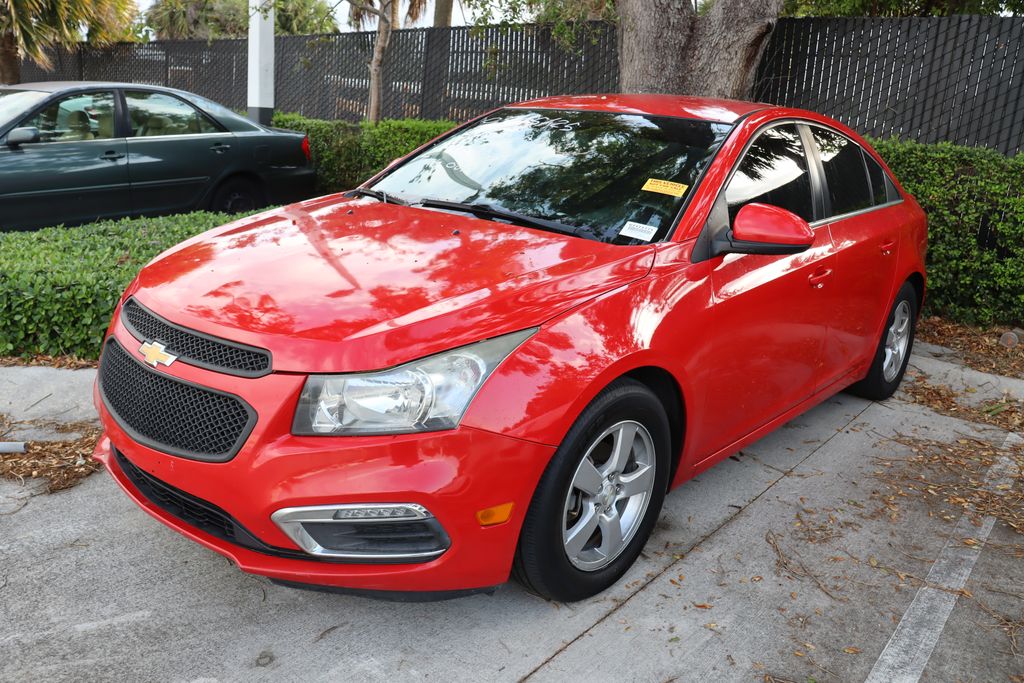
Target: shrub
[(974, 201), (59, 286), (345, 154)]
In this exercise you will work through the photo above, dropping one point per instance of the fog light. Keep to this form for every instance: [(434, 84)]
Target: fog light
[(382, 532)]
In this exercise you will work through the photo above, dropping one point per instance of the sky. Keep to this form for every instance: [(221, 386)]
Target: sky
[(459, 16)]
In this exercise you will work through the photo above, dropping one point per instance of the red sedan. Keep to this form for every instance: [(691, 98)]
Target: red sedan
[(498, 355)]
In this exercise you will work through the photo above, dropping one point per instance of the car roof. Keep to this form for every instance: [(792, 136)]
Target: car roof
[(60, 86), (683, 106)]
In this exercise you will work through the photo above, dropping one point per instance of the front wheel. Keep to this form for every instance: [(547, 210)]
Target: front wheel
[(599, 498), (893, 352)]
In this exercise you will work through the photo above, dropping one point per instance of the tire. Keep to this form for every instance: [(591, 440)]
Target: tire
[(237, 195), (542, 561), (886, 373)]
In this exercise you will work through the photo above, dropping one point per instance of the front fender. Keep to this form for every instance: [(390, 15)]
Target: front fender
[(540, 390)]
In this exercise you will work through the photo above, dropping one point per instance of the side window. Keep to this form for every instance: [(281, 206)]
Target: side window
[(88, 116), (155, 114), (847, 180), (877, 177), (881, 184), (773, 171)]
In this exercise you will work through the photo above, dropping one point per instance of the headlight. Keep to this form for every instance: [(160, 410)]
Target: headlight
[(422, 396)]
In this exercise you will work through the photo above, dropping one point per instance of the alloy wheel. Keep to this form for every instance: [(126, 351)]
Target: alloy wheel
[(896, 342), (608, 497)]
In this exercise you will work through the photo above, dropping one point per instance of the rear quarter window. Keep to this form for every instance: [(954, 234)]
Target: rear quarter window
[(845, 173)]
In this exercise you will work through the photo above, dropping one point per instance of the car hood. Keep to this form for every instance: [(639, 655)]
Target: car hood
[(335, 285)]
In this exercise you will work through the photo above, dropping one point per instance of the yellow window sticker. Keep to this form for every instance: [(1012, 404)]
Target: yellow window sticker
[(665, 187)]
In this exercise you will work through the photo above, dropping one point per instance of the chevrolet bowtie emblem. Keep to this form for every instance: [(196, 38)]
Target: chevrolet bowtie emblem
[(156, 354)]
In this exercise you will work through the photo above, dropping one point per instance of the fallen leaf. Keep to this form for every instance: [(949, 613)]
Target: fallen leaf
[(702, 605), (851, 650)]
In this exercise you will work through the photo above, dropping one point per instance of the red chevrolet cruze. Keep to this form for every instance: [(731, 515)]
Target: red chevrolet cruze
[(498, 355)]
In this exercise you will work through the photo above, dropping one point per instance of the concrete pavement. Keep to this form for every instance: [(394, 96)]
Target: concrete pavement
[(779, 561)]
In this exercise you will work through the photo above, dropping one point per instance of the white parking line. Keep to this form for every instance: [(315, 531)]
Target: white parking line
[(905, 656)]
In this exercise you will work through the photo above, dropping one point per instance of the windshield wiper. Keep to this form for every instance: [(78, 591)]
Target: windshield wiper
[(493, 212), (378, 195)]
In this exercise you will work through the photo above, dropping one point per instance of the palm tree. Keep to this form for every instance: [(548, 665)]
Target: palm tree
[(210, 19), (29, 28)]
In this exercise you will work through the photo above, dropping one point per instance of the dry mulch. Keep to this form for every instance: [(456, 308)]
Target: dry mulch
[(63, 463), (978, 346), (1006, 413), (61, 362), (953, 473)]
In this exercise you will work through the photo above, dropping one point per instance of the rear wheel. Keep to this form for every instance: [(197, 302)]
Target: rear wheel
[(237, 195), (599, 498), (893, 353)]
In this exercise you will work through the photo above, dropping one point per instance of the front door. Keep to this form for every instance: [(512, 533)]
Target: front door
[(770, 313), (76, 173)]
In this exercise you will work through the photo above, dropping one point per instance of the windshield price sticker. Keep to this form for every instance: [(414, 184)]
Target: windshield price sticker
[(665, 187), (639, 231)]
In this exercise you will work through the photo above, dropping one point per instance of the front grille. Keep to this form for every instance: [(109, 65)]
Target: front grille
[(197, 512), (169, 414), (194, 347)]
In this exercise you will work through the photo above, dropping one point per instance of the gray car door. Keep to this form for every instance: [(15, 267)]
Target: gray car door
[(175, 152), (76, 173)]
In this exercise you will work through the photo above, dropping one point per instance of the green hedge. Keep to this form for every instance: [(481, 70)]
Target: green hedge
[(974, 200), (58, 286), (345, 154)]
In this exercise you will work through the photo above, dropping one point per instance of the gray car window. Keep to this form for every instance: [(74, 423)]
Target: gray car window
[(76, 118), (154, 114)]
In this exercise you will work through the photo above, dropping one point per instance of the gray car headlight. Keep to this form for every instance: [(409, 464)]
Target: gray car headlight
[(422, 396)]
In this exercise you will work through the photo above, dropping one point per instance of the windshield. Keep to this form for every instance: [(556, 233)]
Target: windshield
[(617, 178), (15, 102)]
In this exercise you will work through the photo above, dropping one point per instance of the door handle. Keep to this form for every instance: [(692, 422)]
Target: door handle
[(817, 280), (111, 155), (219, 148), (887, 247)]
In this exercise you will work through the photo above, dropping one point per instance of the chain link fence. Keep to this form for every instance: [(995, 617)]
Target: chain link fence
[(954, 78)]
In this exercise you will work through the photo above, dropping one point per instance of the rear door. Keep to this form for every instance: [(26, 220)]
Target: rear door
[(856, 196), (175, 152), (77, 172)]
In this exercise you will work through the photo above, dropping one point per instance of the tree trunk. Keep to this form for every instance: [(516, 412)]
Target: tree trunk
[(713, 55), (380, 48), (10, 62), (443, 13)]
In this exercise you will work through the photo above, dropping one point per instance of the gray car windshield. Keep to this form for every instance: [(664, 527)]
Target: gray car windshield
[(15, 102), (605, 176)]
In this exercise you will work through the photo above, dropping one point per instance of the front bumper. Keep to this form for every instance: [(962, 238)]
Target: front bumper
[(453, 474)]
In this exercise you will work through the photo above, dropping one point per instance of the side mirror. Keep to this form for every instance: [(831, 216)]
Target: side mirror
[(22, 136), (764, 229)]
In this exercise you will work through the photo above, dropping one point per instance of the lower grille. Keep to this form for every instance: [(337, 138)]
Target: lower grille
[(197, 512), (170, 415)]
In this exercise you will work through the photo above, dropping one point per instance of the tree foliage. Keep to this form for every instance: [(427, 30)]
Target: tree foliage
[(33, 26), (211, 19)]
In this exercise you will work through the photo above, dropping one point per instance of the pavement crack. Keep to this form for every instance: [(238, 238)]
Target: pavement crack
[(640, 588)]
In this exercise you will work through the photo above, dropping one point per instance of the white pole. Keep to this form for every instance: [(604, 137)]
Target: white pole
[(261, 60)]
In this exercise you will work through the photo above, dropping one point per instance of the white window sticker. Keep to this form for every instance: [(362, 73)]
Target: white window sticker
[(640, 231)]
